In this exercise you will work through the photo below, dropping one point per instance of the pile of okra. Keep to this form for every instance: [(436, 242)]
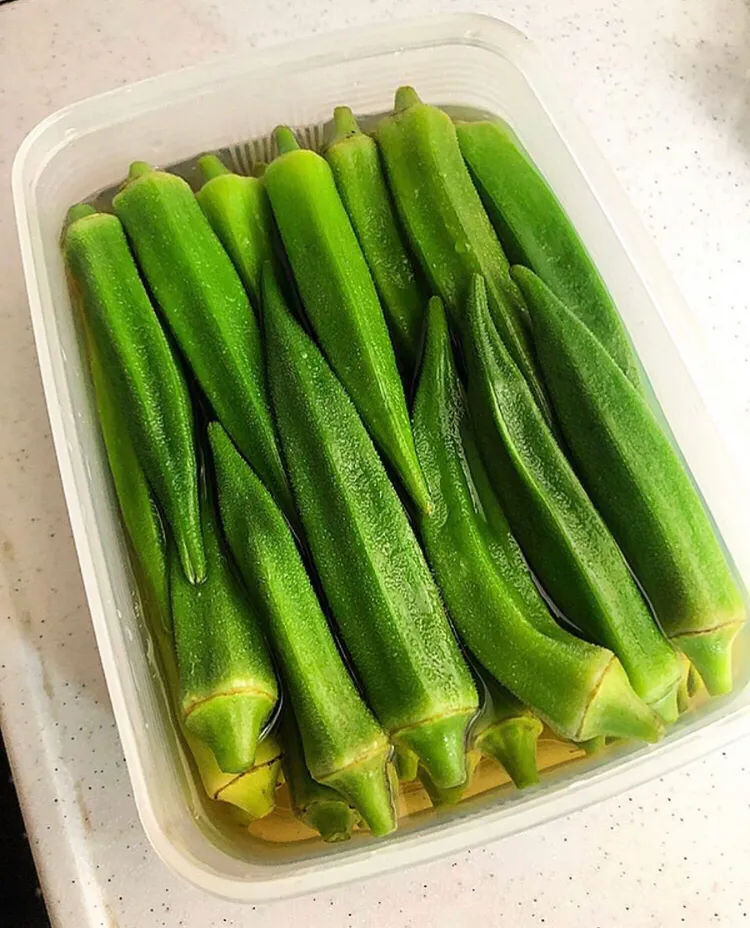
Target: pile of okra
[(381, 444)]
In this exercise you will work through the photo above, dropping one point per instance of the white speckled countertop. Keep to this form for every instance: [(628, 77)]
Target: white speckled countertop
[(663, 87)]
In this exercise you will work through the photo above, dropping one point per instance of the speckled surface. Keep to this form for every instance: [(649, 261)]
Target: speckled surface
[(663, 87)]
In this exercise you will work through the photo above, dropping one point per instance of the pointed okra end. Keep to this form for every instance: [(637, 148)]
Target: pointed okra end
[(253, 791), (406, 763), (711, 654), (138, 169), (449, 797), (230, 724), (285, 139), (79, 211), (512, 743), (405, 97), (212, 166), (344, 123), (440, 745), (334, 820), (694, 682), (594, 745), (616, 710), (668, 707), (192, 556), (367, 785)]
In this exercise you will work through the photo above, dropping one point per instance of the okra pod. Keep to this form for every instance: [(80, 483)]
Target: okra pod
[(641, 487), (341, 301), (239, 212), (345, 748), (205, 305), (381, 592), (145, 378), (446, 223), (536, 232), (579, 688), (562, 535), (228, 687), (357, 169)]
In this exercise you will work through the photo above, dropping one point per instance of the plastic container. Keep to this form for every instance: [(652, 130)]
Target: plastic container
[(459, 61)]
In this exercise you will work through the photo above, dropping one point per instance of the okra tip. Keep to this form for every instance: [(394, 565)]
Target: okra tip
[(594, 745), (406, 763), (285, 139), (333, 820), (449, 797), (668, 707), (405, 97), (79, 211), (138, 169), (512, 743), (440, 745), (711, 654), (616, 710), (192, 557), (211, 166), (230, 724), (344, 123), (253, 791), (367, 785)]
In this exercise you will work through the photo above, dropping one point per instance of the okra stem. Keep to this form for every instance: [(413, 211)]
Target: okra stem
[(452, 796), (508, 732), (405, 97), (79, 211), (212, 166), (138, 169), (344, 123), (318, 806), (286, 140), (406, 763)]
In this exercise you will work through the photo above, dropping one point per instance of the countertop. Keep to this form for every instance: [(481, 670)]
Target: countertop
[(663, 88)]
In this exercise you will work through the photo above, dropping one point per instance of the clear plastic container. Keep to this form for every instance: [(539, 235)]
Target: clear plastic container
[(457, 61)]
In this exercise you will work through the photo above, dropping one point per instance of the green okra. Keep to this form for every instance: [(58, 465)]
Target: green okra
[(357, 169), (507, 731), (345, 748), (239, 212), (579, 688), (145, 378), (383, 597), (319, 807), (641, 487), (341, 301), (446, 223), (140, 516), (205, 305), (228, 687), (594, 746), (406, 763), (562, 535), (253, 791), (536, 232), (440, 796)]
